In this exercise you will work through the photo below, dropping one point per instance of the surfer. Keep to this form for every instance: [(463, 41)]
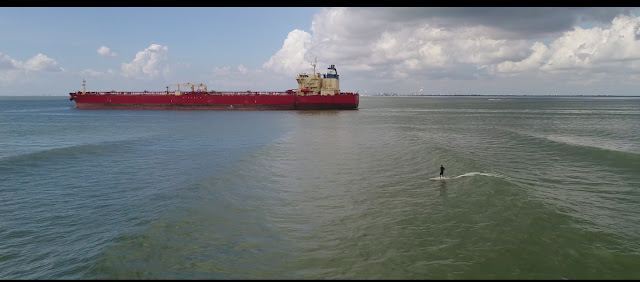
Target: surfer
[(441, 171)]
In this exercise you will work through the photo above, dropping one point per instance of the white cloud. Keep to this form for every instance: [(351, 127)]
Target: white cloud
[(359, 40), (12, 69), (588, 51), (394, 49), (105, 51), (582, 48), (7, 63), (150, 62), (378, 42), (290, 58), (403, 47), (242, 69), (41, 62)]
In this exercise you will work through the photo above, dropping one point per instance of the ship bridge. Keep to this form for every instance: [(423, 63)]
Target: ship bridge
[(314, 84)]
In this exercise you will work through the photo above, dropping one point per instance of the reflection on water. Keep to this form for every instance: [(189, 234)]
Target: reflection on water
[(319, 112), (443, 188)]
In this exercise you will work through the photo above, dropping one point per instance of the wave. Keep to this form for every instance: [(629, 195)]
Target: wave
[(597, 143), (35, 158), (602, 143), (477, 173), (470, 174), (47, 109)]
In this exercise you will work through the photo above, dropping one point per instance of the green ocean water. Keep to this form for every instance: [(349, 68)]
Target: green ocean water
[(535, 188)]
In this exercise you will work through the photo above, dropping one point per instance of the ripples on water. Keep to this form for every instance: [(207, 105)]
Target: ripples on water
[(537, 188)]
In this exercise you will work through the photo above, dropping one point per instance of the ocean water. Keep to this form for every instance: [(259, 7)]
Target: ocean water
[(535, 188)]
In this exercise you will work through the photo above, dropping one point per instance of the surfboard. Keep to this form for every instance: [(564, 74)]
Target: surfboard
[(437, 178)]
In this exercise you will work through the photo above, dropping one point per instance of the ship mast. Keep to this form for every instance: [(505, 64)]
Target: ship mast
[(314, 65), (84, 86)]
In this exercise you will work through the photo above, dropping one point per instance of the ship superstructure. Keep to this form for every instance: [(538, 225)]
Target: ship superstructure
[(328, 84)]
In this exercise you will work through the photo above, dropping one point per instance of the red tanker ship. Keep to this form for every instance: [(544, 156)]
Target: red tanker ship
[(315, 92)]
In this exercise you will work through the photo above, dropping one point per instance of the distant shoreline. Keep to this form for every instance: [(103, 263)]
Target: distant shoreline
[(504, 95), (422, 95)]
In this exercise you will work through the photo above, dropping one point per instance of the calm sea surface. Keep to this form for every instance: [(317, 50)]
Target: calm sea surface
[(536, 188)]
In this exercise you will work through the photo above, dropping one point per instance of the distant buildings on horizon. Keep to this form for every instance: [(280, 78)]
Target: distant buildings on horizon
[(385, 94)]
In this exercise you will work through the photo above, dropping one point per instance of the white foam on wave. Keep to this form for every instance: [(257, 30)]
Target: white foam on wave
[(467, 174), (476, 173), (598, 143)]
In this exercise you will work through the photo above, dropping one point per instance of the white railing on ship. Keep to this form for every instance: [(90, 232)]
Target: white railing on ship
[(224, 93), (183, 93), (247, 93)]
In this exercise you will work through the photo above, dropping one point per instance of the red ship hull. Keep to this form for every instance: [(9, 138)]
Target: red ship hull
[(214, 101)]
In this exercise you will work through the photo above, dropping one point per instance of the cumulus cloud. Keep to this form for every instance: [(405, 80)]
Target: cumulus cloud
[(413, 45), (11, 69), (377, 39), (7, 63), (150, 62), (105, 51), (242, 69), (585, 49), (290, 58), (41, 62)]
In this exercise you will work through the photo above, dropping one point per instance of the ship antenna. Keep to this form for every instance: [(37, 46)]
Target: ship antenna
[(314, 65), (84, 86)]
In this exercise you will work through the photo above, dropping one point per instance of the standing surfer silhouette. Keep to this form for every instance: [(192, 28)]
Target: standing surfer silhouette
[(441, 171)]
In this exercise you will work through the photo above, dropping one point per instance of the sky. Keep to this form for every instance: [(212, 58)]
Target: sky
[(403, 50)]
